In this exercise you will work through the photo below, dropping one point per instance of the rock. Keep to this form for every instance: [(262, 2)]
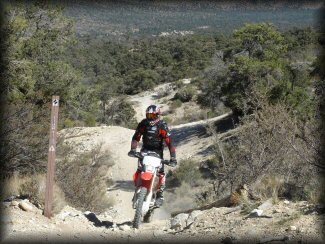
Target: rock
[(266, 205), (11, 198), (5, 204), (124, 227), (175, 223), (256, 213), (242, 54), (286, 202), (73, 214), (292, 228), (273, 239), (226, 240), (179, 221), (186, 81), (39, 206), (276, 211), (25, 206), (63, 215), (193, 216), (115, 229), (14, 203)]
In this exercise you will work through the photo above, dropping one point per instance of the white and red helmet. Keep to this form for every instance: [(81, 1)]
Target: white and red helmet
[(153, 114)]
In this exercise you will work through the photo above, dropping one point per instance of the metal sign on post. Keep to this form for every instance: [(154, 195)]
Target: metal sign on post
[(51, 157)]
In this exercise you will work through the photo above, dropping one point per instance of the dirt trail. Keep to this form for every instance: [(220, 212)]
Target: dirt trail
[(143, 100), (192, 141), (117, 141), (74, 226)]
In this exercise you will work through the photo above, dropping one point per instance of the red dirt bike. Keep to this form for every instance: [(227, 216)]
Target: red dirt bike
[(148, 183)]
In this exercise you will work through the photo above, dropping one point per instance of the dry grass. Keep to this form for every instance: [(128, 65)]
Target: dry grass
[(286, 221), (268, 186), (84, 179), (33, 187), (314, 190), (81, 181)]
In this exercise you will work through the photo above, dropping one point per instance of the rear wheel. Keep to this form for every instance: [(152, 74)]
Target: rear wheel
[(138, 212)]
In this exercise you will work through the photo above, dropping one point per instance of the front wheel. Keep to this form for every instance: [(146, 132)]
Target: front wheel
[(138, 211), (148, 216)]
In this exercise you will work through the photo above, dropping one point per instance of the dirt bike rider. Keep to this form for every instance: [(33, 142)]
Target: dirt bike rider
[(154, 132)]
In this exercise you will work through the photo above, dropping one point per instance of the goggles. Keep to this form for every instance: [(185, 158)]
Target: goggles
[(152, 116)]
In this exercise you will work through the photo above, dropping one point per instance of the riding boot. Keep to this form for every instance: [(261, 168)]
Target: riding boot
[(160, 191)]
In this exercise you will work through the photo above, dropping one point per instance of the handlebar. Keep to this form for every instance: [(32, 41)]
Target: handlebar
[(141, 156)]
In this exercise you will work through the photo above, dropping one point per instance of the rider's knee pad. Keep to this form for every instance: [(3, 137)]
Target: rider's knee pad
[(162, 179), (136, 177)]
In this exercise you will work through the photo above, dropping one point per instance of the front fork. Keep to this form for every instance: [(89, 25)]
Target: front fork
[(154, 186)]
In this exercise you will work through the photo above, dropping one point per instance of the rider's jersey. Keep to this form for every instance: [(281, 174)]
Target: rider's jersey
[(153, 137)]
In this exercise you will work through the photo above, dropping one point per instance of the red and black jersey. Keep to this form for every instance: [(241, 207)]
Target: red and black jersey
[(153, 137)]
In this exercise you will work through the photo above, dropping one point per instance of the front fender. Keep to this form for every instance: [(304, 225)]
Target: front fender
[(146, 178)]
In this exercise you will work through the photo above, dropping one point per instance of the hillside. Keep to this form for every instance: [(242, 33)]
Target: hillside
[(136, 19), (244, 111), (281, 221)]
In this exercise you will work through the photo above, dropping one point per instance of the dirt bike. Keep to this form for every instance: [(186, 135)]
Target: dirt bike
[(145, 196)]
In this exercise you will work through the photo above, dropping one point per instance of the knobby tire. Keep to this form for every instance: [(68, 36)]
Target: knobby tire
[(138, 211)]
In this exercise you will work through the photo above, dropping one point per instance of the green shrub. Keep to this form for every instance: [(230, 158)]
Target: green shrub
[(120, 112), (175, 104), (167, 119), (68, 123), (179, 83), (186, 93), (187, 172), (84, 180), (90, 120)]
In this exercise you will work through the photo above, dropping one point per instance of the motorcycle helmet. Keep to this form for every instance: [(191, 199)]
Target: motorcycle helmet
[(153, 114)]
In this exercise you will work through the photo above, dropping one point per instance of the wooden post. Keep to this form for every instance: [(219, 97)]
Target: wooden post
[(51, 157)]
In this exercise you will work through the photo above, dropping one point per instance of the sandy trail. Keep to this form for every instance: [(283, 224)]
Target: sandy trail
[(191, 140), (143, 100), (117, 141)]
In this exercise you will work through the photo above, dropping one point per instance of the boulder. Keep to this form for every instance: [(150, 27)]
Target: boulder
[(63, 215), (175, 223), (266, 205), (227, 240), (25, 206), (292, 228), (124, 227), (179, 221), (256, 213), (193, 216), (14, 203)]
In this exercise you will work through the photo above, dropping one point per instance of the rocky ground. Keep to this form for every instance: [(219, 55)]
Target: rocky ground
[(284, 221)]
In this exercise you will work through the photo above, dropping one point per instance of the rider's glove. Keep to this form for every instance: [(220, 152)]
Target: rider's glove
[(173, 162), (132, 152)]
